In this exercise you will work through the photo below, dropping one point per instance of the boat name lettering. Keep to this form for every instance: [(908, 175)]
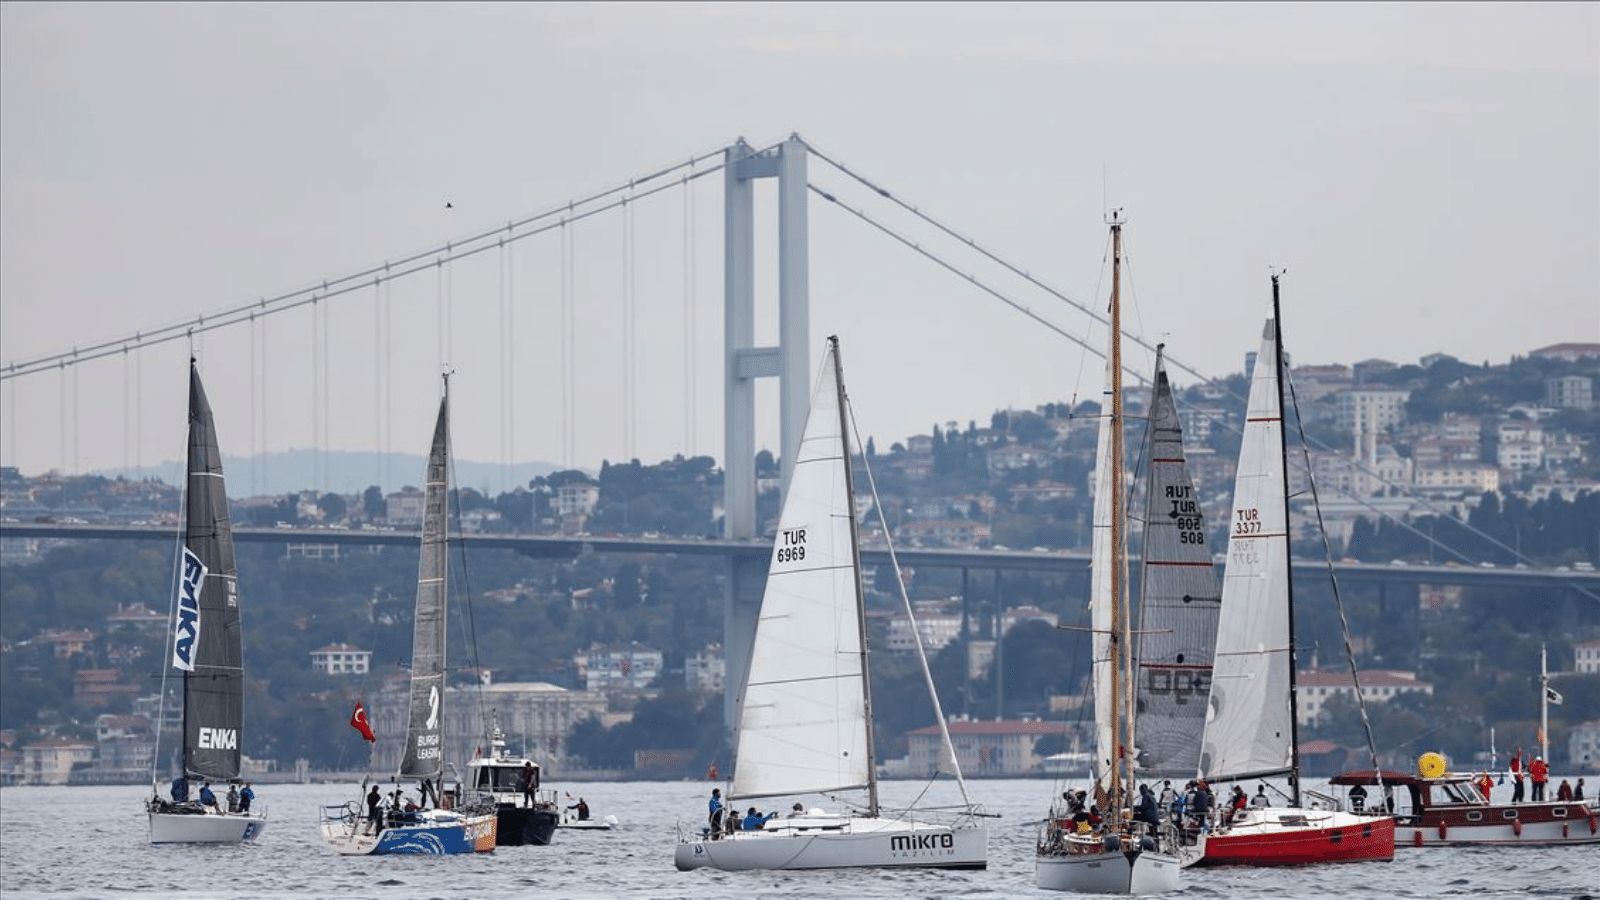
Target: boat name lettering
[(1181, 685), (219, 739), (1246, 521), (187, 634), (944, 841), (792, 545)]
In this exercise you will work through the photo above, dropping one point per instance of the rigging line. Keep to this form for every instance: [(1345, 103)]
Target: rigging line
[(1333, 578), (327, 290), (970, 278)]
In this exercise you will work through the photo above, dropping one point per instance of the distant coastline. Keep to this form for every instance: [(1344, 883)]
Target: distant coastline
[(339, 472)]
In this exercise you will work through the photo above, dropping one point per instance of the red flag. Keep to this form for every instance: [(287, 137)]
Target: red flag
[(358, 721)]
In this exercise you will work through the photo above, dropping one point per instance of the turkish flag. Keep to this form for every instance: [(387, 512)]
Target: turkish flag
[(358, 721)]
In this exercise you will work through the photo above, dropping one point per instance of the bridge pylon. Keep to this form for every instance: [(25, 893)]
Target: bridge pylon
[(789, 362)]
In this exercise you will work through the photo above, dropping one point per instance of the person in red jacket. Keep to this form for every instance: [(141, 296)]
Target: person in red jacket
[(1516, 776), (1485, 784), (1538, 773)]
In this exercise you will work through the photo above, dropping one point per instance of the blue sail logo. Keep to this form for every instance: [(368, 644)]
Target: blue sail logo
[(187, 628)]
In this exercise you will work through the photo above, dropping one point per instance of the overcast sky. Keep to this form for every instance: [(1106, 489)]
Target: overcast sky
[(1428, 173)]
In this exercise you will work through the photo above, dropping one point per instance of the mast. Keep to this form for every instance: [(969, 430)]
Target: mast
[(1119, 611), (1288, 582), (1544, 704), (855, 561)]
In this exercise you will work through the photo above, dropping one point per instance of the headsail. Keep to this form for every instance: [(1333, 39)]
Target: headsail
[(803, 722), (424, 753), (1250, 732), (213, 690), (1178, 601)]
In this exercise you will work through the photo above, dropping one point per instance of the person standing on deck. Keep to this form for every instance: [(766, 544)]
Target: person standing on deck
[(715, 816), (1538, 773), (1516, 776)]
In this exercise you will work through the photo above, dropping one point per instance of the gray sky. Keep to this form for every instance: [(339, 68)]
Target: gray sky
[(1429, 173)]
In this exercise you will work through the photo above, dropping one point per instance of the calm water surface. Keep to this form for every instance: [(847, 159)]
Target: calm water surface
[(94, 842)]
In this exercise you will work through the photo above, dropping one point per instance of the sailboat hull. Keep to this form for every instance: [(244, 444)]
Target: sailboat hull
[(204, 828), (835, 843), (431, 833), (1107, 872), (1267, 836)]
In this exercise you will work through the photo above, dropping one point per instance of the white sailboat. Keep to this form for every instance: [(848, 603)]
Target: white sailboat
[(208, 648), (446, 822), (1120, 856), (805, 722), (1251, 731)]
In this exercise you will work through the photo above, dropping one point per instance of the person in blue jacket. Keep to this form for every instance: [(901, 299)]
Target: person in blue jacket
[(180, 789), (206, 797), (245, 796), (715, 814)]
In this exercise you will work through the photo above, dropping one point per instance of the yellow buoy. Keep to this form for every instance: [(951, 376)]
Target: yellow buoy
[(1430, 765)]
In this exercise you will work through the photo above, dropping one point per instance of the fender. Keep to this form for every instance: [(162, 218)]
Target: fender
[(1516, 827), (1444, 830), (1416, 838)]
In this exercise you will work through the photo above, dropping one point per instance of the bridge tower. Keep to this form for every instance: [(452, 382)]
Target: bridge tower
[(789, 362)]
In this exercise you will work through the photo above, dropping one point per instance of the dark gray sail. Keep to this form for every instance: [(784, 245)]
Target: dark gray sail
[(207, 644), (424, 754), (1179, 603)]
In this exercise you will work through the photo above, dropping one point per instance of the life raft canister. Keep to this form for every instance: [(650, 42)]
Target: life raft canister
[(1431, 765)]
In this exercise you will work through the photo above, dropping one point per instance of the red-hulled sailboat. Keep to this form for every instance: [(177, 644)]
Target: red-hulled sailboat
[(1250, 733)]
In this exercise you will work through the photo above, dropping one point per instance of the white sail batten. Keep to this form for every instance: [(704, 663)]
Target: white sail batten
[(803, 719), (1249, 729)]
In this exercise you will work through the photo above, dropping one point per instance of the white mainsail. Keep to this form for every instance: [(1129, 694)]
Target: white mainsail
[(1250, 727), (803, 719)]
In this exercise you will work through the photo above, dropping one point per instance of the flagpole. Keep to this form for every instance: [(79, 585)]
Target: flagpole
[(1544, 705)]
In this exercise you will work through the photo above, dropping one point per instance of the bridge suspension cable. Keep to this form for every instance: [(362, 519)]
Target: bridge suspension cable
[(633, 190)]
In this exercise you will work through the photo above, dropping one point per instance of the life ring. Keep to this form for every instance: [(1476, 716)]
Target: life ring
[(1444, 830), (1430, 765)]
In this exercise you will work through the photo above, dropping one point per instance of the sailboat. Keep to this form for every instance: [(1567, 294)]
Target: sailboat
[(805, 722), (1251, 728), (1120, 857), (207, 647), (444, 822)]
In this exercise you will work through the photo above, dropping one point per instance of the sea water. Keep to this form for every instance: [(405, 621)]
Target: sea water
[(93, 842)]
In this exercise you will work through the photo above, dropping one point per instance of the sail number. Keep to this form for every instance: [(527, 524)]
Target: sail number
[(1246, 522), (1185, 513), (791, 545)]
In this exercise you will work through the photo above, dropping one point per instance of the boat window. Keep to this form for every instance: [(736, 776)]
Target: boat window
[(499, 778), (1559, 812), (1509, 813), (1474, 816)]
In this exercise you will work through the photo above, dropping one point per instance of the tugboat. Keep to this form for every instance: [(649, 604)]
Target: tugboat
[(505, 777)]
